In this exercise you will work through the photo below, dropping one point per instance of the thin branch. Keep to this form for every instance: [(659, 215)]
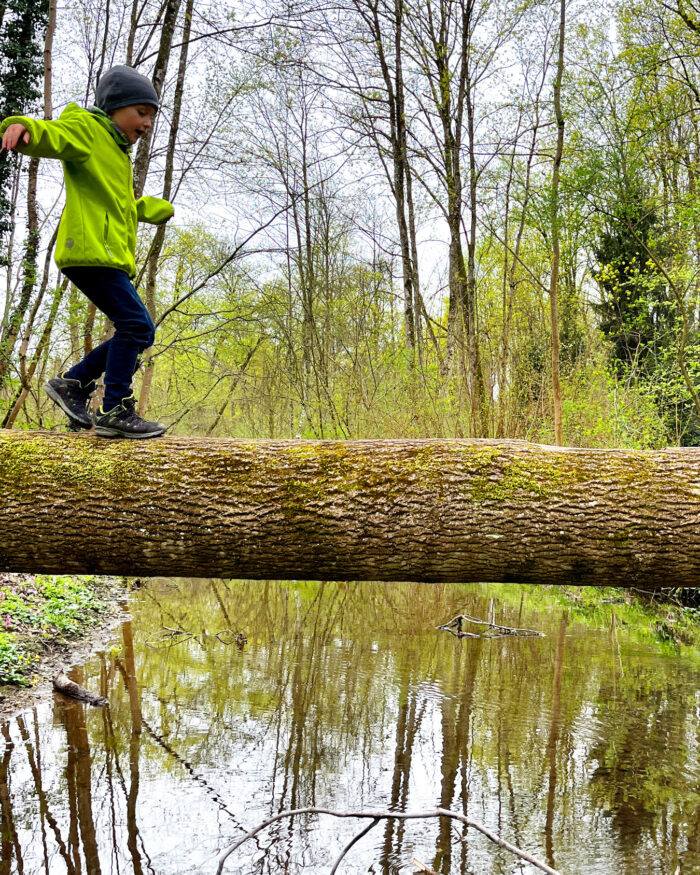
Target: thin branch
[(388, 815), (455, 628), (352, 842), (223, 264)]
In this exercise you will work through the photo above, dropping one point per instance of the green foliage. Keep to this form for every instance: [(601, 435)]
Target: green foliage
[(51, 604), (40, 611), (14, 662), (21, 68), (67, 603), (601, 410), (635, 312)]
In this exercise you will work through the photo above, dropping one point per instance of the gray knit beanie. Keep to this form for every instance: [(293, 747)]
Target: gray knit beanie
[(123, 86)]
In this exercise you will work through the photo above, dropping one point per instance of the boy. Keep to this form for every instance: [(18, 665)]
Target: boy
[(97, 239)]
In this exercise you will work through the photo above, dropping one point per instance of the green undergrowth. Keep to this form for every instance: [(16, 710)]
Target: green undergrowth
[(41, 613)]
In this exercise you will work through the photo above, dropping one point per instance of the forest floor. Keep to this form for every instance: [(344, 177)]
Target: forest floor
[(48, 622)]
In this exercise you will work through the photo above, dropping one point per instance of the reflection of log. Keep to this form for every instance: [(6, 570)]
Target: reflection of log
[(65, 685), (432, 510)]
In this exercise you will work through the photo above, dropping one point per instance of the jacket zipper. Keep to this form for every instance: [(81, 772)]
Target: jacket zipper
[(106, 236)]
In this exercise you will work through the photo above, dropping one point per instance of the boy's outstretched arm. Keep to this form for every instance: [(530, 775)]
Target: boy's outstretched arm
[(68, 140), (154, 210)]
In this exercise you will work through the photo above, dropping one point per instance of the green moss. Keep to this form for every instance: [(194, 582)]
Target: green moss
[(83, 462), (298, 473), (314, 472)]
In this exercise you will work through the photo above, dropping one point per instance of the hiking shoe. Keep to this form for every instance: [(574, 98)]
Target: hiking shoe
[(124, 421), (72, 398)]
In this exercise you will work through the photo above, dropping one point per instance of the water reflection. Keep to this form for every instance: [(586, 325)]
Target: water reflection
[(580, 747)]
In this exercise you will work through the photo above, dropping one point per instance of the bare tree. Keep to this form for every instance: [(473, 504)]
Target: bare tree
[(159, 238), (455, 46), (160, 69), (554, 278)]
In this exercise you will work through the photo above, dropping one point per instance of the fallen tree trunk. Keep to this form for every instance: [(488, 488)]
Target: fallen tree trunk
[(63, 684), (421, 510)]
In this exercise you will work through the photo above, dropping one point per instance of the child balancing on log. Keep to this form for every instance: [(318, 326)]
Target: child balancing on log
[(97, 239)]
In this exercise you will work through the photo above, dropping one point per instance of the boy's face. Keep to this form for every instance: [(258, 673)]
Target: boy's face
[(135, 120)]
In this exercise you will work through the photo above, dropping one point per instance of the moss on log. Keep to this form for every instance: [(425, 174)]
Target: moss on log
[(422, 510)]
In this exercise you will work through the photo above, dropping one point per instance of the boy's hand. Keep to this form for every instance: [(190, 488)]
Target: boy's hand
[(15, 135)]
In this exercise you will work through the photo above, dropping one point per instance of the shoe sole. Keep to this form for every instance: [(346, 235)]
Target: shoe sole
[(104, 431), (56, 398)]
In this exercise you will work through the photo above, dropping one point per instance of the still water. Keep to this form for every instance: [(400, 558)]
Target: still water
[(580, 747)]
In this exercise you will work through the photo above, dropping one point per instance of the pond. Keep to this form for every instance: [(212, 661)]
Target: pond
[(231, 701)]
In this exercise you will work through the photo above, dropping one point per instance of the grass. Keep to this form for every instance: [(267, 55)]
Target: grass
[(39, 613)]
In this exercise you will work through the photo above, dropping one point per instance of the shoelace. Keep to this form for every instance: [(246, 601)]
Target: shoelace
[(130, 415), (79, 394)]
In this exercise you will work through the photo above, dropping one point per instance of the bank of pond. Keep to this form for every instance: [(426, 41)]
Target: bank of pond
[(230, 701)]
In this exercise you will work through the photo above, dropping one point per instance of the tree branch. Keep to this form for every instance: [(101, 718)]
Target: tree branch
[(376, 816)]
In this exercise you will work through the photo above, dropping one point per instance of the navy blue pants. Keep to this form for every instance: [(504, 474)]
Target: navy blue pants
[(112, 292)]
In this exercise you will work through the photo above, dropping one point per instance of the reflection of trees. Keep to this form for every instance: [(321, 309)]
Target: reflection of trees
[(456, 748), (33, 749), (9, 843), (553, 741), (307, 745), (78, 777), (338, 668), (345, 692), (82, 833), (129, 671), (409, 720), (641, 760)]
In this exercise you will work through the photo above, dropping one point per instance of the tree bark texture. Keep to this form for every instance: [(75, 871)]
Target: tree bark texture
[(420, 510)]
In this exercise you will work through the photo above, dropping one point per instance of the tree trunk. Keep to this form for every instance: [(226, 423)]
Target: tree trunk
[(421, 510), (48, 60), (143, 154), (159, 239), (27, 373), (31, 248), (554, 279)]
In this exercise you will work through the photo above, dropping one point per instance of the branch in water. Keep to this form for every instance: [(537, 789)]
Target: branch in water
[(493, 630), (375, 817)]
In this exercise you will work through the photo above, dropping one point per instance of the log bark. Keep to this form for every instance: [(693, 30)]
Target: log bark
[(420, 510), (63, 684)]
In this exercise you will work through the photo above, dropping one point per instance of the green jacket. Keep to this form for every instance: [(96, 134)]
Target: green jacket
[(98, 225)]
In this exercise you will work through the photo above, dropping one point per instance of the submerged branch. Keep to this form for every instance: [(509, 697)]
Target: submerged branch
[(376, 816), (167, 637), (493, 630)]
